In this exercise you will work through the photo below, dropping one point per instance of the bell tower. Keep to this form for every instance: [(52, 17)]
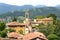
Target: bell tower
[(26, 15), (27, 22)]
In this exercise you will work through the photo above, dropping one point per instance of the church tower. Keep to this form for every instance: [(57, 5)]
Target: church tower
[(27, 22), (27, 15)]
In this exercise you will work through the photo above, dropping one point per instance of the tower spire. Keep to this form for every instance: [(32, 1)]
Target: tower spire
[(26, 15)]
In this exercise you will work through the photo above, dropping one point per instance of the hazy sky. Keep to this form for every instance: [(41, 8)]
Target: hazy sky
[(31, 2)]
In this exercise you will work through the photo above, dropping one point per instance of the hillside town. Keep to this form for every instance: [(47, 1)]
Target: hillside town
[(40, 28), (27, 32), (29, 19), (26, 27)]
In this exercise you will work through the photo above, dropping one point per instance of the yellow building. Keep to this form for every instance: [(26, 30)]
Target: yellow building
[(45, 21), (16, 26)]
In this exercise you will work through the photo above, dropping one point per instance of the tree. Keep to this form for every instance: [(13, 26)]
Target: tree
[(57, 28), (53, 16), (2, 26), (50, 28), (3, 33), (14, 19), (21, 31), (52, 37), (39, 17), (20, 21), (42, 28)]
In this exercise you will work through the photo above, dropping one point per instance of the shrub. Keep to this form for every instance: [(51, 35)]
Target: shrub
[(52, 37), (21, 31), (11, 30), (3, 34)]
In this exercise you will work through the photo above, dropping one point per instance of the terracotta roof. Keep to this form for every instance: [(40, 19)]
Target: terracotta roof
[(46, 19), (14, 35), (28, 36), (14, 23), (33, 35)]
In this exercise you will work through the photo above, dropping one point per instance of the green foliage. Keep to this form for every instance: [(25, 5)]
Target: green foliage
[(34, 26), (39, 17), (2, 26), (12, 14), (21, 31), (20, 21), (50, 28), (52, 37), (53, 16), (58, 34), (11, 30), (57, 27), (14, 19), (0, 33), (42, 28), (43, 31), (3, 34), (33, 12)]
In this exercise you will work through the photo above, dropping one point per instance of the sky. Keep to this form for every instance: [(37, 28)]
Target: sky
[(31, 2)]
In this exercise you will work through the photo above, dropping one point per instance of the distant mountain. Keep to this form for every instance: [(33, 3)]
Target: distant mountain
[(7, 8), (13, 10), (34, 12), (40, 6)]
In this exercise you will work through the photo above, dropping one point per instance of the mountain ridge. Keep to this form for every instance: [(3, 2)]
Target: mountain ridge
[(8, 10)]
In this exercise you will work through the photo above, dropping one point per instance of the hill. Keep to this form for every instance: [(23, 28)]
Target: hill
[(8, 8), (13, 10), (34, 12)]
